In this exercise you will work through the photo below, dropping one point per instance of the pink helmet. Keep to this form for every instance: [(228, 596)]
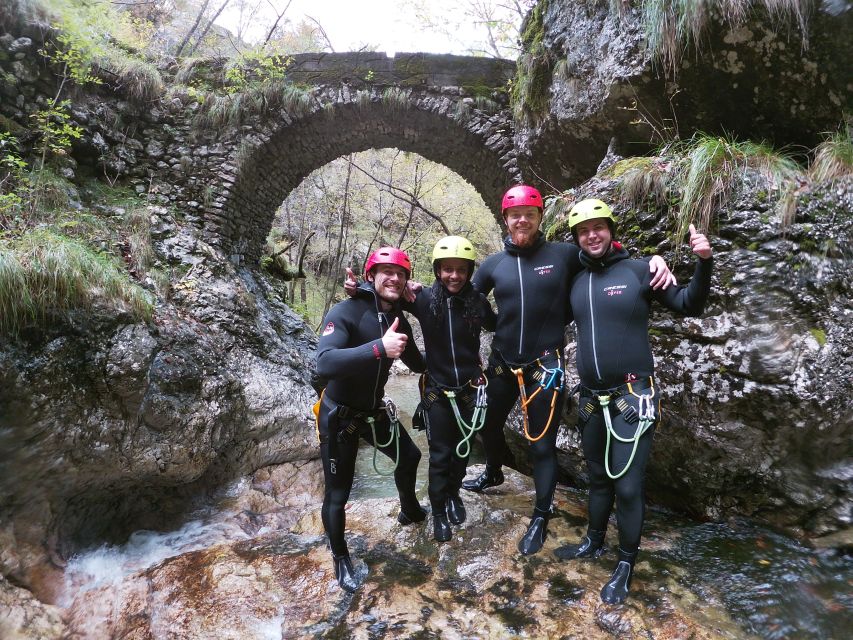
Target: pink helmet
[(389, 255), (521, 195)]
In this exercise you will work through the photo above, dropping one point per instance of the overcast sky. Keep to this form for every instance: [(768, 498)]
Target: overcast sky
[(351, 24)]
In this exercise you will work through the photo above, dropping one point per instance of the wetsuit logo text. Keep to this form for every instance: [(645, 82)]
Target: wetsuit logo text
[(615, 290), (543, 270)]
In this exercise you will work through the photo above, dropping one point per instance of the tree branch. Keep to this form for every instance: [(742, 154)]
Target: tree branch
[(406, 196)]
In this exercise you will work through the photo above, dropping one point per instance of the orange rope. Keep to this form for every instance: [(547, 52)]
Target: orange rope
[(519, 373)]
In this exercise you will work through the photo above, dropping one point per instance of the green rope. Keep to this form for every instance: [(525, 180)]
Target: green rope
[(642, 427), (478, 419), (395, 436)]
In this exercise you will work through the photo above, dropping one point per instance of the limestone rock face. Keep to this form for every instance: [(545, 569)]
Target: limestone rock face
[(107, 427), (22, 617), (759, 78), (757, 415)]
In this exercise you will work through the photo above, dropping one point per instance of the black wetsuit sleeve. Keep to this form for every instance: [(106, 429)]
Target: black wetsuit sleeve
[(334, 358), (482, 278), (411, 356), (689, 300), (490, 318)]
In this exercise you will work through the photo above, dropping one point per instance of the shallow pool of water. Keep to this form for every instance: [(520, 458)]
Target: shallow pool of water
[(403, 390)]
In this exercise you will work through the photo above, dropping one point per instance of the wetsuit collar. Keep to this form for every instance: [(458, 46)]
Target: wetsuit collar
[(366, 290), (514, 250), (616, 253)]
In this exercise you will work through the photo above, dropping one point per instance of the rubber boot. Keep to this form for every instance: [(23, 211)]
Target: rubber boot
[(441, 528), (344, 573), (489, 478), (537, 531), (590, 546), (616, 589), (456, 510)]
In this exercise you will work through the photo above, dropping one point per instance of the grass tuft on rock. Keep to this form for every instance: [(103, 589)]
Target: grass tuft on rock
[(672, 26), (44, 275), (833, 157)]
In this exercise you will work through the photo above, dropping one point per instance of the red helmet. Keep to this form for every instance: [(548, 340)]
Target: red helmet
[(389, 255), (521, 195)]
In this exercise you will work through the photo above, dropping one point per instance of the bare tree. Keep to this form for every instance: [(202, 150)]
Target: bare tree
[(210, 22), (192, 29), (406, 196), (322, 33), (278, 17)]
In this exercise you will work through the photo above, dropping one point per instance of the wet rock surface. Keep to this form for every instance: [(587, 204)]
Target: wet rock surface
[(279, 582), (758, 78), (107, 427), (756, 419)]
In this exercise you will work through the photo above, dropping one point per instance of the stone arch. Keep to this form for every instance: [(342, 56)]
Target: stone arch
[(276, 158)]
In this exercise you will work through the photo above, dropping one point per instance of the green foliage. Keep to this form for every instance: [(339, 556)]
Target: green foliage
[(75, 54), (140, 80), (712, 165), (56, 130), (44, 275), (254, 68), (696, 178), (233, 109), (529, 89), (12, 168), (397, 99), (833, 157), (819, 335), (94, 42)]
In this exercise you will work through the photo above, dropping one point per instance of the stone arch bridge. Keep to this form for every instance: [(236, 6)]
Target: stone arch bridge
[(231, 178)]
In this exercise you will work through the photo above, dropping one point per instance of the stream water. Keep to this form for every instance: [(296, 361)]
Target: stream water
[(770, 585)]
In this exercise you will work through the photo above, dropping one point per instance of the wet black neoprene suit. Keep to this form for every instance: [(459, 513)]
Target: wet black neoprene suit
[(451, 326), (351, 356), (610, 302), (531, 288)]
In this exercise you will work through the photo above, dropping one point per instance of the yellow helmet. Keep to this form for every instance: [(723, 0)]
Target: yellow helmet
[(453, 247), (590, 209)]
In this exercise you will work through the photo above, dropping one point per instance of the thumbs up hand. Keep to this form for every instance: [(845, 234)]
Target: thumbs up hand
[(394, 342), (350, 284), (699, 243)]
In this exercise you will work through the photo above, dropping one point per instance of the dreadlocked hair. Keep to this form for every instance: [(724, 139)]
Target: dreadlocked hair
[(471, 310)]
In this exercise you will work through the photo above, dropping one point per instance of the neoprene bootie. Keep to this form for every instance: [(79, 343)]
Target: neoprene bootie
[(590, 546), (616, 589), (344, 573), (411, 513), (489, 478), (441, 528), (456, 510), (537, 531)]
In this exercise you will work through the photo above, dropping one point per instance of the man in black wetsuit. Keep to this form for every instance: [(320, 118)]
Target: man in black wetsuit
[(619, 405), (361, 338), (531, 279)]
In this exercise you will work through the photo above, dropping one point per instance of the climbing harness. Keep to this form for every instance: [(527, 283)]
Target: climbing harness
[(548, 378), (478, 419), (394, 428), (358, 417), (474, 397), (644, 416)]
